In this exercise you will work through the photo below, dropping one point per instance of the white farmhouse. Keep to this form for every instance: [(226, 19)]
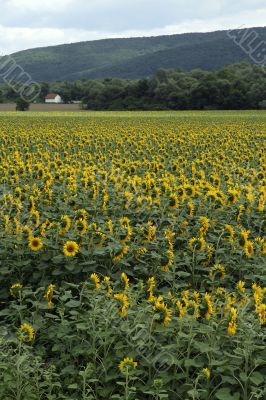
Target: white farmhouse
[(53, 98)]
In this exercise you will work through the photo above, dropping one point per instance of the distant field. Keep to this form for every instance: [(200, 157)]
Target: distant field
[(43, 107), (70, 110)]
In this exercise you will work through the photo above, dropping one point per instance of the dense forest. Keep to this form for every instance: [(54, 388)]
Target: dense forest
[(239, 86), (136, 58)]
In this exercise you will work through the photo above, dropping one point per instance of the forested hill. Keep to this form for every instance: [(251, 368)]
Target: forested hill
[(132, 58)]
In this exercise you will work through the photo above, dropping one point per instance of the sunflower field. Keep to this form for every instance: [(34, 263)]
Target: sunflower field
[(133, 256)]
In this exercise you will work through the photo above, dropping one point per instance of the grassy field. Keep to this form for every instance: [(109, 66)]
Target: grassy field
[(133, 255), (69, 110)]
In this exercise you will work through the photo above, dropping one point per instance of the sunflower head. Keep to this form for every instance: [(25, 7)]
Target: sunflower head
[(197, 243), (26, 333), (81, 226), (173, 201), (71, 248), (127, 364), (65, 223), (35, 244), (249, 248), (164, 312), (15, 288), (96, 280)]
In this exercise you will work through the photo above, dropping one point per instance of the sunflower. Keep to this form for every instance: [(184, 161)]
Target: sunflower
[(173, 201), (125, 281), (81, 226), (71, 248), (151, 287), (168, 261), (233, 195), (49, 295), (65, 224), (106, 281), (204, 226), (181, 309), (35, 244), (26, 333), (197, 243), (241, 287), (150, 232), (191, 207), (96, 280), (244, 236), (217, 270), (208, 306), (27, 232), (127, 363), (164, 311), (98, 238), (229, 232), (232, 326), (14, 289), (261, 310), (123, 299), (248, 248), (120, 254)]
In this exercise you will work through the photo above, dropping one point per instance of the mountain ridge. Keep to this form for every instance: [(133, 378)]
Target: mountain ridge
[(132, 58)]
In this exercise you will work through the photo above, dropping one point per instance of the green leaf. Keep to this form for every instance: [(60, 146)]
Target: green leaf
[(73, 386), (71, 267), (192, 363), (243, 376), (72, 304), (257, 378), (225, 394), (58, 259), (82, 326)]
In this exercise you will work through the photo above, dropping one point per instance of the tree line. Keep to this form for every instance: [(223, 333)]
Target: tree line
[(238, 86)]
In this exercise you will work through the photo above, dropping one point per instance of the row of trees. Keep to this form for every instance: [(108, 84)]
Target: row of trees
[(239, 86)]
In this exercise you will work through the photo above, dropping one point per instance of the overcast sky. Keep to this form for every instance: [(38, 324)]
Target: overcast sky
[(32, 23)]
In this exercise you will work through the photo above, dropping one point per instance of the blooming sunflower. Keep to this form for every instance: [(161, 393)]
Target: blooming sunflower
[(244, 235), (127, 363), (229, 232), (232, 326), (197, 243), (71, 248), (173, 201), (248, 248), (261, 310), (107, 283), (151, 286), (81, 226), (120, 254), (96, 280), (165, 312), (49, 295), (26, 333), (65, 224), (209, 310), (125, 281), (123, 299), (35, 244)]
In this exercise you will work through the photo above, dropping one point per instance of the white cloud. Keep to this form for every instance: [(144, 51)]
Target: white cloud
[(37, 5)]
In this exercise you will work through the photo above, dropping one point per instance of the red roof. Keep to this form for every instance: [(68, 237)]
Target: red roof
[(51, 96)]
